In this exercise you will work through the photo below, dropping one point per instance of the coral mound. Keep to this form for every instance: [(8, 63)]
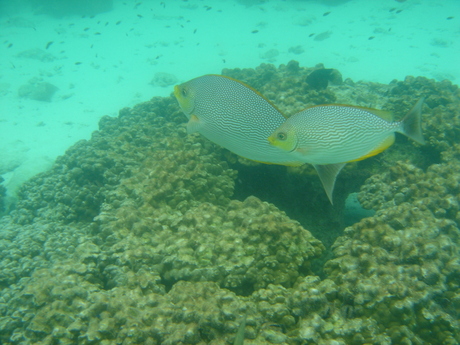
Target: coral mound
[(136, 237)]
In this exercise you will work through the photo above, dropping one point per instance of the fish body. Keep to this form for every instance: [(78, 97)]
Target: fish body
[(234, 116), (329, 136)]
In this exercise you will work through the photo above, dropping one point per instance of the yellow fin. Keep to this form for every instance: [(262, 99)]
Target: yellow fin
[(288, 164), (382, 147)]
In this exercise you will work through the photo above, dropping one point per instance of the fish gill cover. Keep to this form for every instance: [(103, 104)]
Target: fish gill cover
[(144, 234)]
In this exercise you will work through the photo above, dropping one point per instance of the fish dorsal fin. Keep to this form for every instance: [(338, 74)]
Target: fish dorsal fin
[(194, 124), (380, 148), (383, 114), (254, 90), (328, 174)]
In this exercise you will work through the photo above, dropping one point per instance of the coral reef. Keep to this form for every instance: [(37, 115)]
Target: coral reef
[(242, 247), (163, 79), (144, 234), (402, 264), (38, 90), (36, 54), (2, 196)]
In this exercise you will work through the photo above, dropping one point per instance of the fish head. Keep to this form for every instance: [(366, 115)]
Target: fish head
[(284, 138), (185, 95)]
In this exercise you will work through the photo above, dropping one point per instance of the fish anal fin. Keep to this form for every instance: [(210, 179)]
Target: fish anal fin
[(193, 124), (382, 147), (328, 174), (289, 164)]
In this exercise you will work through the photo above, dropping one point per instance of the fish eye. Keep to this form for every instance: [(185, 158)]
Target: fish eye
[(281, 136), (184, 92)]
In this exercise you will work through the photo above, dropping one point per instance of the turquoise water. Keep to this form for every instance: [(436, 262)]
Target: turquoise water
[(118, 227)]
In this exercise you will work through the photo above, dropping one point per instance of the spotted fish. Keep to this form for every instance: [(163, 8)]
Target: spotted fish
[(234, 116), (329, 136)]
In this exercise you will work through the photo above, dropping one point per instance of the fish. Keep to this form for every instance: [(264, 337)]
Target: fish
[(234, 116), (332, 135), (319, 79)]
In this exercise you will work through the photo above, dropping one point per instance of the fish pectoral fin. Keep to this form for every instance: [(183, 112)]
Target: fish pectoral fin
[(328, 174), (380, 148), (302, 151), (193, 124)]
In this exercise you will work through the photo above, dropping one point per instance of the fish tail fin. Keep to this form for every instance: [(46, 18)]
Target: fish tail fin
[(412, 123)]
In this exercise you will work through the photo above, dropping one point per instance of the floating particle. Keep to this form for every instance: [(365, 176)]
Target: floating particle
[(254, 31), (398, 11), (371, 38), (313, 34), (49, 44), (118, 23), (78, 63), (449, 18), (140, 15), (85, 29), (10, 45), (326, 14)]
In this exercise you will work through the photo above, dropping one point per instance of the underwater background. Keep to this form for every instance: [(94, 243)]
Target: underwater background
[(119, 228)]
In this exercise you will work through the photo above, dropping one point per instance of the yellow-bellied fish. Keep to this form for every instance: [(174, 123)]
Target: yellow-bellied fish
[(232, 115), (329, 136)]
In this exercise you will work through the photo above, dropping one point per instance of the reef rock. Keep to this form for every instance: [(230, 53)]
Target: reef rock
[(144, 234)]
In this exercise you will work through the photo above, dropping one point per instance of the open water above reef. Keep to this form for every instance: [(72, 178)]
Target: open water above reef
[(144, 234), (65, 64)]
